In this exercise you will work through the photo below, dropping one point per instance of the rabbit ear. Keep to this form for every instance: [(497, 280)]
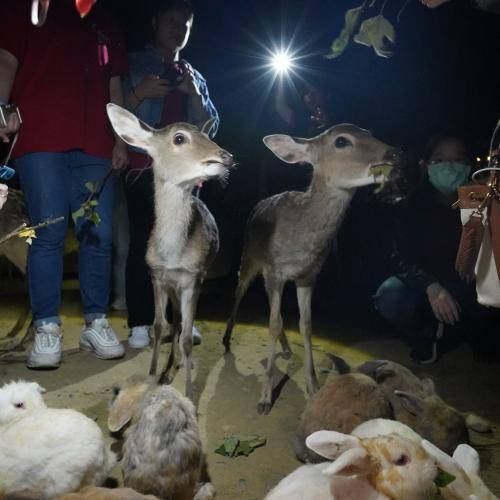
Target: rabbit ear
[(119, 416), (331, 444), (353, 462), (37, 387)]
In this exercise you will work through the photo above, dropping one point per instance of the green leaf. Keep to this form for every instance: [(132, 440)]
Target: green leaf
[(443, 478), (234, 446), (351, 21), (375, 32), (78, 213), (95, 218), (94, 202), (29, 241), (90, 186)]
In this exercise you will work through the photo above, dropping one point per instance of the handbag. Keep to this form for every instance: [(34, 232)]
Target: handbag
[(479, 250)]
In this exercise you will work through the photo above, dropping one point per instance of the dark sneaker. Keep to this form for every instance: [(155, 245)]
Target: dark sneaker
[(425, 347)]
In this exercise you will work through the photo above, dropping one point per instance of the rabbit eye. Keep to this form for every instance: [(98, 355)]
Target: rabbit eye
[(402, 460), (20, 406)]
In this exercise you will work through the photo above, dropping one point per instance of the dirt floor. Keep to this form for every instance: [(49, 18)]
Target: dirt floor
[(227, 388)]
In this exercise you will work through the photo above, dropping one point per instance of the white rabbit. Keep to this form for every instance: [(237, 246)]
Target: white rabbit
[(47, 451)]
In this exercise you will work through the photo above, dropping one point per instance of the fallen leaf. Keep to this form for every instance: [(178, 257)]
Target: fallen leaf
[(351, 20), (375, 32), (234, 446)]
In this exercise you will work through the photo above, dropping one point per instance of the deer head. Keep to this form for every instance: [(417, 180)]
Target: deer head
[(182, 154), (344, 154)]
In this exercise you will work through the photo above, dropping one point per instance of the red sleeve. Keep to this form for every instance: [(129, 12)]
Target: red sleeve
[(15, 18)]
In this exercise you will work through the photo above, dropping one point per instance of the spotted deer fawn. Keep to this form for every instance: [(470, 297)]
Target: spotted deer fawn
[(184, 240), (289, 234)]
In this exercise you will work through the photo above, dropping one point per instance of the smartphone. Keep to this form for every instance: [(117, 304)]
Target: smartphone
[(6, 173)]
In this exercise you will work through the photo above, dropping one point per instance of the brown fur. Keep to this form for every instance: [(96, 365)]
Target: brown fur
[(342, 403)]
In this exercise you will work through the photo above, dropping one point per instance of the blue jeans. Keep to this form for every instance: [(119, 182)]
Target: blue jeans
[(409, 310), (54, 186)]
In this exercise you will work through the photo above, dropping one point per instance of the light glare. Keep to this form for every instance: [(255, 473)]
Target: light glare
[(281, 62)]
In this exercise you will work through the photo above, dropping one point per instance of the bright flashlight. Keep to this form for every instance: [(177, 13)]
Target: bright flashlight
[(281, 62)]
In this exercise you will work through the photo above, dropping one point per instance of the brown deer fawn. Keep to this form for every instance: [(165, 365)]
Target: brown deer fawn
[(184, 240), (288, 235)]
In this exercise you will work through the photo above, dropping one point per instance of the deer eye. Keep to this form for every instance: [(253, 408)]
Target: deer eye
[(342, 142), (179, 139), (402, 460), (19, 406)]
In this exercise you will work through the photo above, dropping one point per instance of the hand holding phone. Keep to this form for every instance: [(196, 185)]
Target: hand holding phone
[(6, 172)]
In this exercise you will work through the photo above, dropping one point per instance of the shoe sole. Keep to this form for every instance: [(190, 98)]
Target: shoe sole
[(84, 346), (34, 365), (137, 346)]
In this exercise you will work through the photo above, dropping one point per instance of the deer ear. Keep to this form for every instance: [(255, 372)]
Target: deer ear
[(331, 444), (289, 149), (119, 416), (129, 127), (207, 126)]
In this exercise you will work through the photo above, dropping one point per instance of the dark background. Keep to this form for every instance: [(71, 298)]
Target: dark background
[(443, 76)]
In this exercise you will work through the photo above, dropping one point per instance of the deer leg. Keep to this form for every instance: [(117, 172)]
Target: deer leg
[(189, 299), (160, 322), (168, 374), (274, 290), (304, 295)]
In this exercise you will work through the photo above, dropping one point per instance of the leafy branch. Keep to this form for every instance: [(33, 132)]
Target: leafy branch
[(28, 232)]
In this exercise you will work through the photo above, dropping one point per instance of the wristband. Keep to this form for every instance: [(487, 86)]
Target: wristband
[(136, 96)]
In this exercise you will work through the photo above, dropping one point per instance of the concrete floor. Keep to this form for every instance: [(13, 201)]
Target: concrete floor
[(227, 388)]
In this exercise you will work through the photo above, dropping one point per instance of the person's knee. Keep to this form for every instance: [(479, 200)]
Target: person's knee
[(51, 237), (394, 301), (98, 235)]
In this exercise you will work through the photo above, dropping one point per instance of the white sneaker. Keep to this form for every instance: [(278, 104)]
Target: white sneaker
[(47, 349), (99, 338), (139, 337)]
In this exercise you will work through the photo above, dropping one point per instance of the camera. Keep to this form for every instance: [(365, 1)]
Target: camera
[(174, 73), (6, 110)]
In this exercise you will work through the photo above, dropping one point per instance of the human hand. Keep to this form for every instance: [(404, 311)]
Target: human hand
[(152, 86), (119, 156), (444, 306), (4, 192), (12, 127), (188, 84)]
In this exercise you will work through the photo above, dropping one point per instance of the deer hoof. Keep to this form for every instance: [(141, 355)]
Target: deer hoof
[(263, 408)]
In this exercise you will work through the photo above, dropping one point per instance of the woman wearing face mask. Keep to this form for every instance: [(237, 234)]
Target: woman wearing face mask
[(428, 297)]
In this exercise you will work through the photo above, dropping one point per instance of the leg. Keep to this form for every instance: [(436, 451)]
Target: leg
[(95, 239), (139, 289), (168, 374), (120, 245), (248, 271), (304, 295), (274, 290), (189, 299), (160, 322), (45, 182)]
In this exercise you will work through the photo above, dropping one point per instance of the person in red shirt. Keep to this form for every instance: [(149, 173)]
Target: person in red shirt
[(61, 75)]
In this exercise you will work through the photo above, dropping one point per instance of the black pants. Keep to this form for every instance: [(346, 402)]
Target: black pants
[(139, 193)]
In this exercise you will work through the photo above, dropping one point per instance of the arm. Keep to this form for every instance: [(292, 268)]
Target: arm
[(8, 70), (119, 157), (201, 107)]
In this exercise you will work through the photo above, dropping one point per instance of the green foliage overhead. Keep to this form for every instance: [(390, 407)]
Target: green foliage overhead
[(352, 17), (379, 33)]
